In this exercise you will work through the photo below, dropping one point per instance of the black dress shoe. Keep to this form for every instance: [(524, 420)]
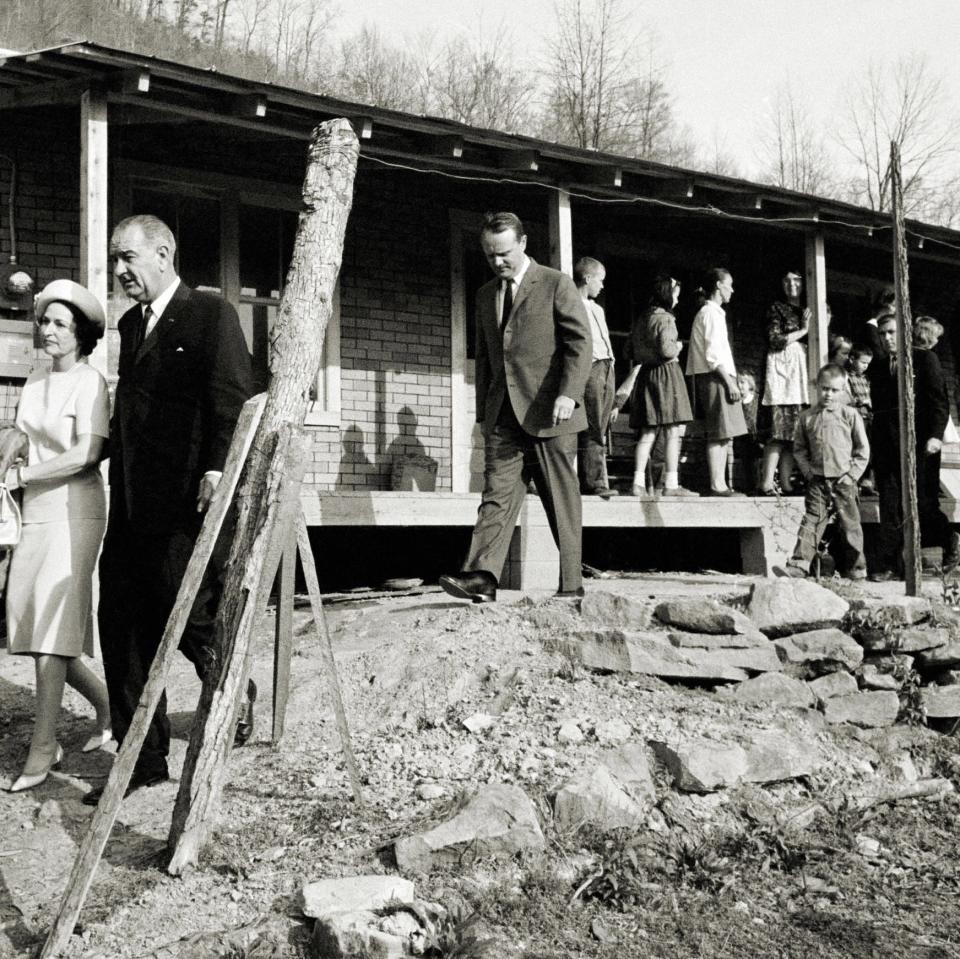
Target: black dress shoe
[(570, 593), (138, 780), (245, 718), (479, 586)]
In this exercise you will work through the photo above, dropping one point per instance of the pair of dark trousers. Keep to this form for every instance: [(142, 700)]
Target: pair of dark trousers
[(821, 492), (598, 396), (139, 579), (934, 526), (512, 458)]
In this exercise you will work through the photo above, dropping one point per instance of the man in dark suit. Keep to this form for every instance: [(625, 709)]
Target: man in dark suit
[(184, 374), (931, 410), (534, 354)]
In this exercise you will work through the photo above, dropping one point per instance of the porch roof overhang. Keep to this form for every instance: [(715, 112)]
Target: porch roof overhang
[(155, 90)]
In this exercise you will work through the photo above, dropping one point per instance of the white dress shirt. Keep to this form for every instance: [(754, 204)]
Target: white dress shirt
[(709, 343), (602, 350), (159, 305), (514, 286)]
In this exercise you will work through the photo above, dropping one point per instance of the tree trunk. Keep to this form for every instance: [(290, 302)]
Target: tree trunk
[(305, 309)]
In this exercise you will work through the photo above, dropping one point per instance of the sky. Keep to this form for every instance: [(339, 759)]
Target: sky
[(724, 58)]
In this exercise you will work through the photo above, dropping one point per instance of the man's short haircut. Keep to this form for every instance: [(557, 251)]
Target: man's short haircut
[(501, 222), (584, 268), (887, 318), (861, 349), (832, 371), (884, 300), (154, 230)]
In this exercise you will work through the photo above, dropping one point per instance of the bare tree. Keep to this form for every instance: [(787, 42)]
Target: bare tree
[(370, 71), (901, 102), (793, 152), (601, 94), (476, 83)]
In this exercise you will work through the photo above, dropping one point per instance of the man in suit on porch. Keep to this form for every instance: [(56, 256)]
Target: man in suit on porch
[(184, 374), (533, 357)]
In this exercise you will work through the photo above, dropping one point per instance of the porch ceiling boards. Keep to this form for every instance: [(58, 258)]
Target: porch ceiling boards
[(159, 94)]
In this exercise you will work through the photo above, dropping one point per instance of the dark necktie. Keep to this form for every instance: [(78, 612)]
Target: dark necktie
[(507, 303), (893, 364), (142, 328)]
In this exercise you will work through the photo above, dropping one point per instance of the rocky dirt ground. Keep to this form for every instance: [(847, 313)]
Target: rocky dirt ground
[(837, 860)]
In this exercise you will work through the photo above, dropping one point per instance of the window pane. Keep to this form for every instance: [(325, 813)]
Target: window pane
[(256, 321), (259, 251)]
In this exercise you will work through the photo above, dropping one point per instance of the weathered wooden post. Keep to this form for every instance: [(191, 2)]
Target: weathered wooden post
[(297, 346), (908, 434)]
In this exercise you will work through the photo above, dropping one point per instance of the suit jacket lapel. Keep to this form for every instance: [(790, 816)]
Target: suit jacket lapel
[(529, 279), (167, 319)]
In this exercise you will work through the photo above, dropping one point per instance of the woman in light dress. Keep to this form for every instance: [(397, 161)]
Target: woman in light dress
[(710, 363), (64, 415)]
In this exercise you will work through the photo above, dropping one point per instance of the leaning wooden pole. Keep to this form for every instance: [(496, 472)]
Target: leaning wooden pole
[(908, 433), (297, 348), (98, 832)]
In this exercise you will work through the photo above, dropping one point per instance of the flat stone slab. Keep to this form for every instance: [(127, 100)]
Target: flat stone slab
[(867, 709), (840, 683), (941, 702), (912, 639), (354, 935), (944, 657), (500, 820), (820, 649), (327, 897), (704, 765), (616, 651), (780, 607), (610, 609), (876, 612), (704, 616), (772, 688), (718, 640), (596, 798)]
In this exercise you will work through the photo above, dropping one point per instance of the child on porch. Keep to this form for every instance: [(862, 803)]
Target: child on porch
[(858, 391), (748, 448), (831, 449)]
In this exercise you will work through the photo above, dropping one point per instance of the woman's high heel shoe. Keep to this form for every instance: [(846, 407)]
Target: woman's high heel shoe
[(28, 782), (98, 740)]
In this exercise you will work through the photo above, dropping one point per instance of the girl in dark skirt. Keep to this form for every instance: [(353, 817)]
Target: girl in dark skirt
[(659, 398)]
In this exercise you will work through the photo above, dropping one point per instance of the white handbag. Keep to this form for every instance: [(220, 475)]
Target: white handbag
[(10, 522)]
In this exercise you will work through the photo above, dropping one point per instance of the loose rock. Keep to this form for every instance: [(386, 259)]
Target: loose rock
[(910, 640), (772, 688), (718, 640), (839, 683), (612, 732), (780, 607), (704, 616), (609, 609), (500, 820), (596, 798), (873, 611), (869, 709), (649, 653), (630, 767), (872, 678), (429, 791), (354, 894), (570, 733), (820, 651), (702, 765), (944, 657), (941, 702), (773, 756)]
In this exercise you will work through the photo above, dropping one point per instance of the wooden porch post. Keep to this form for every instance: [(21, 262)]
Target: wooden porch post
[(93, 206), (816, 281), (561, 232)]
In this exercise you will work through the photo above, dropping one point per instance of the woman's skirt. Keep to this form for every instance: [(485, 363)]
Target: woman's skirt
[(723, 420), (779, 422), (659, 397), (50, 589)]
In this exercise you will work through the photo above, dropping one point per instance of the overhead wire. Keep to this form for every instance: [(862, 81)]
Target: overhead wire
[(635, 199)]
